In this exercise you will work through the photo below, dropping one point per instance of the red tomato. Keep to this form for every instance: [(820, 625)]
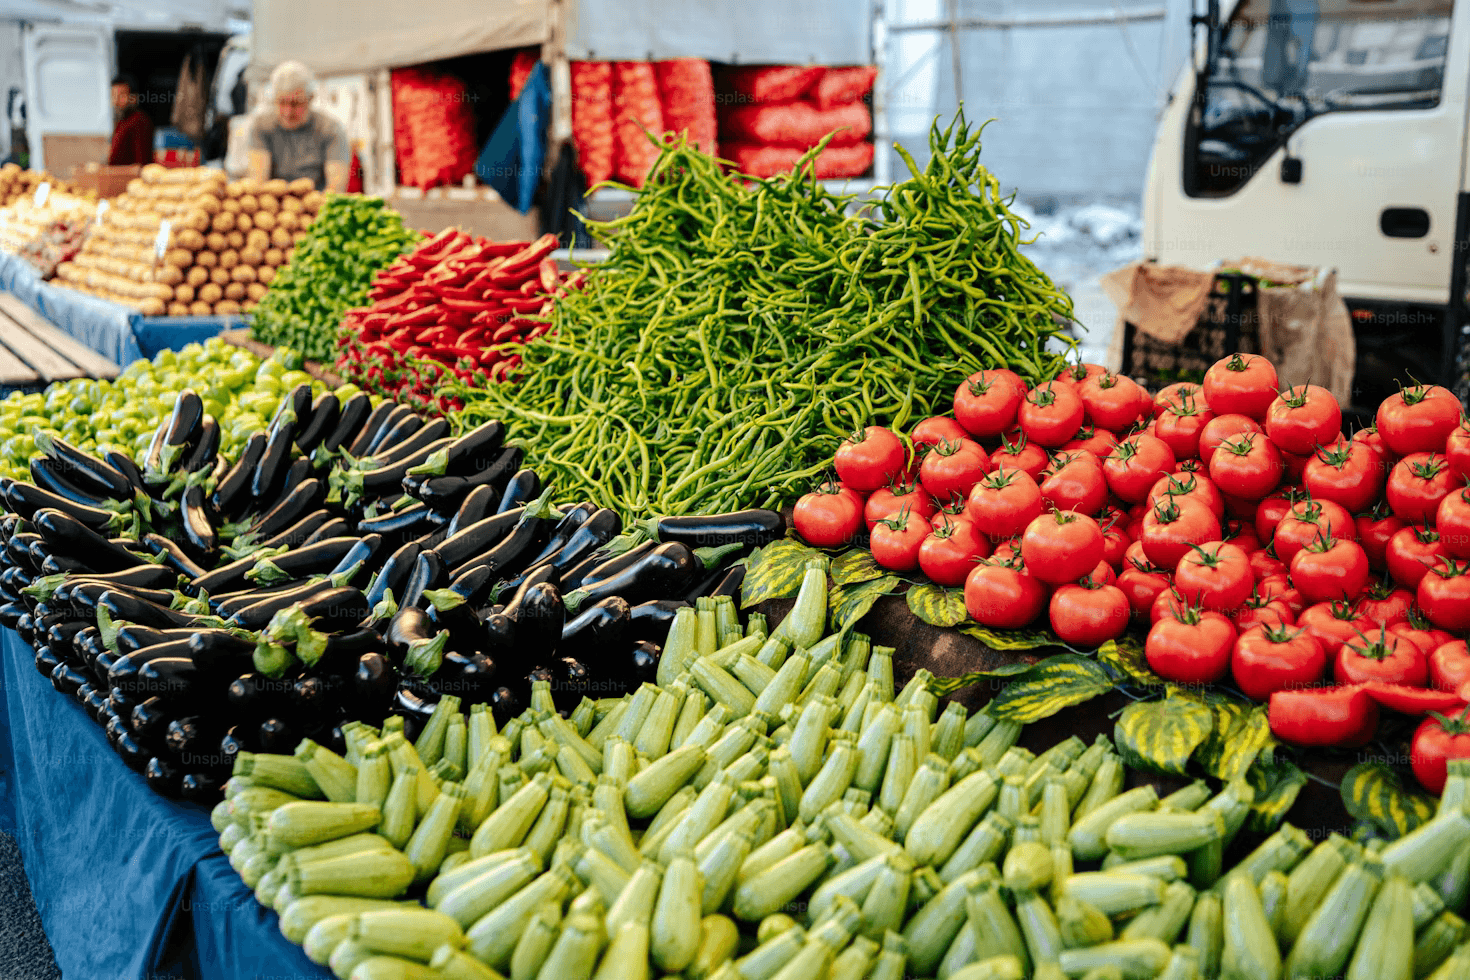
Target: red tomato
[(1003, 597), (1188, 487), (1370, 440), (1088, 616), (1075, 482), (1444, 595), (1098, 442), (952, 511), (1457, 449), (1264, 564), (870, 459), (1175, 394), (1019, 453), (1303, 418), (1050, 414), (1449, 665), (1375, 530), (1214, 576), (1452, 521), (1307, 520), (1171, 528), (1115, 543), (1268, 660), (1103, 574), (1436, 741), (828, 518), (1332, 624), (1182, 426), (1417, 484), (1003, 503), (1242, 535), (1190, 647), (1379, 655), (1247, 465), (1411, 552), (948, 554), (1061, 546), (953, 468), (1258, 610), (1278, 588), (1384, 605), (985, 403), (936, 429), (1143, 588), (1330, 568), (895, 542), (1241, 384), (1136, 465), (889, 501), (1418, 419), (1111, 401), (1220, 428), (1420, 632), (1345, 473), (1075, 374), (1007, 550)]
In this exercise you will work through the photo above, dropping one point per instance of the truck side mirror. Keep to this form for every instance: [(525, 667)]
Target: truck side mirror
[(1291, 169)]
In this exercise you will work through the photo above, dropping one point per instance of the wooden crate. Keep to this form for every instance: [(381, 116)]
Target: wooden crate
[(33, 353)]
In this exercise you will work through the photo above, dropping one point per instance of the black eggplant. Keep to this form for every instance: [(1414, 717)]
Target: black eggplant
[(315, 696), (469, 454), (410, 522), (300, 500), (403, 425), (188, 415), (394, 574), (335, 528), (373, 686), (382, 418), (421, 445), (132, 637), (338, 610), (597, 633), (754, 527), (26, 498), (597, 530), (429, 572), (414, 643), (359, 554), (232, 493), (124, 464), (295, 536), (149, 722), (276, 735), (48, 474), (570, 521), (134, 756), (119, 704), (474, 508), (539, 616), (230, 603), (83, 469), (162, 776), (206, 446), (175, 558), (138, 577), (254, 695), (294, 412), (612, 565), (67, 535), (505, 537), (505, 704), (343, 651), (95, 704), (237, 739), (729, 584), (204, 787), (522, 489), (122, 606), (445, 492), (296, 474), (270, 472), (324, 412), (220, 651), (470, 677), (388, 476), (664, 571), (47, 661), (311, 559), (60, 639), (18, 550), (200, 534), (123, 673), (571, 682), (643, 662), (651, 620), (350, 419)]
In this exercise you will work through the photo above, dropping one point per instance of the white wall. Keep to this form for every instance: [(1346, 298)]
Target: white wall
[(12, 75)]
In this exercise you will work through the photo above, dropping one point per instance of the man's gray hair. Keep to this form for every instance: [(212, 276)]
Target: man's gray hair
[(292, 76)]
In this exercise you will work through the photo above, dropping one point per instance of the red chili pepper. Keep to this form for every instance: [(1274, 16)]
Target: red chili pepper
[(468, 338), (466, 305), (400, 302), (437, 336), (527, 304), (506, 333), (531, 287), (540, 330), (376, 319), (461, 294), (550, 275), (1343, 716), (504, 249), (417, 318), (435, 249), (530, 257), (1413, 700), (501, 295), (490, 317)]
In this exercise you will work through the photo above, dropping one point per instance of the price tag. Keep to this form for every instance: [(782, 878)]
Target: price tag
[(103, 206), (43, 191), (160, 243)]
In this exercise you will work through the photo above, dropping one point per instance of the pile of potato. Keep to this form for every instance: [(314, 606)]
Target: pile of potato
[(16, 183), (226, 240)]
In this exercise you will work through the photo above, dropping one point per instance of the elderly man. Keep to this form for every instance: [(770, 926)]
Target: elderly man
[(291, 140)]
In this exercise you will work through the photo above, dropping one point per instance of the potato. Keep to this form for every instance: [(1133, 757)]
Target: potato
[(304, 220), (243, 224), (235, 290), (224, 221), (169, 275), (278, 187), (179, 257), (208, 259), (135, 186), (255, 290), (264, 220), (291, 204), (184, 293), (152, 306), (248, 204), (197, 276), (281, 238), (268, 202), (211, 293), (288, 253), (236, 240), (216, 242), (229, 259), (247, 306), (251, 256), (234, 189), (243, 273), (287, 220), (198, 219), (230, 205), (274, 257), (296, 236), (265, 274), (189, 238), (177, 309), (301, 185), (219, 276), (209, 204), (227, 307), (160, 291), (249, 185), (312, 202), (257, 239), (201, 308)]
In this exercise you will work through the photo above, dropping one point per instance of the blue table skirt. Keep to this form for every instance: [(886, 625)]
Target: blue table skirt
[(112, 330), (128, 884)]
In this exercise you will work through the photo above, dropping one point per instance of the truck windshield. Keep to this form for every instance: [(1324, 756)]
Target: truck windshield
[(1274, 64)]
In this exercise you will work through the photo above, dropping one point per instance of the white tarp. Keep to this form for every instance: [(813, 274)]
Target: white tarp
[(781, 32), (335, 37)]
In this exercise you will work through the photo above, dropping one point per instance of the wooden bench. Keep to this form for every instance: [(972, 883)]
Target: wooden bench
[(35, 353)]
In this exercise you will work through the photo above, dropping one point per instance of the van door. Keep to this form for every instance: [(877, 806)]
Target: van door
[(68, 81)]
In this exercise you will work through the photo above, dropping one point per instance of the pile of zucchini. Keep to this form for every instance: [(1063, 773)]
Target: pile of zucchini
[(354, 561), (776, 810)]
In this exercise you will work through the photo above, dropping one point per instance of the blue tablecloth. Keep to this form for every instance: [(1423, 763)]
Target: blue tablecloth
[(128, 884), (110, 329)]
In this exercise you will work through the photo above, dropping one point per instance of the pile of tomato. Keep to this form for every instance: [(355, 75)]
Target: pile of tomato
[(1255, 542)]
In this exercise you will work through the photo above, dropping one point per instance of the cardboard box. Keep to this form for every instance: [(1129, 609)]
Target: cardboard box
[(67, 150), (106, 181)]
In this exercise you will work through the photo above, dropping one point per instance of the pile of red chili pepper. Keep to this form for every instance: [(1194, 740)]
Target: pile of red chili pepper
[(1232, 520), (445, 312)]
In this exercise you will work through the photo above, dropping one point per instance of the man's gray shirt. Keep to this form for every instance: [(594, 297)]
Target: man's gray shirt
[(304, 151)]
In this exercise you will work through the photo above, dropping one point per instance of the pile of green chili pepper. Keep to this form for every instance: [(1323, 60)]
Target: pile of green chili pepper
[(740, 328), (329, 273)]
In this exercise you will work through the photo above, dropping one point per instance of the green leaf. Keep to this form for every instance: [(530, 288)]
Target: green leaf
[(1277, 781), (848, 604), (1373, 792), (1048, 687), (941, 686), (1241, 732), (937, 606), (1125, 655), (775, 571), (1010, 639), (1160, 736), (857, 565)]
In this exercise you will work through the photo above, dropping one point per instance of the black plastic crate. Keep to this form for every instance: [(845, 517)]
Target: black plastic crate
[(1228, 325)]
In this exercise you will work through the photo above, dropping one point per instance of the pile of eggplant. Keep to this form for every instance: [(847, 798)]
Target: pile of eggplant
[(354, 561)]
